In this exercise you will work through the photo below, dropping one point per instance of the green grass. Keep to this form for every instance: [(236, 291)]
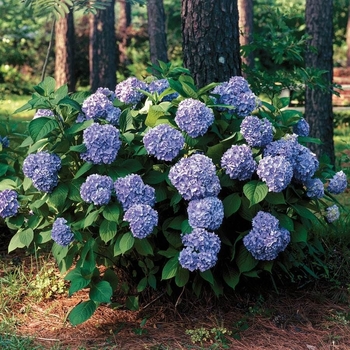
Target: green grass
[(10, 103)]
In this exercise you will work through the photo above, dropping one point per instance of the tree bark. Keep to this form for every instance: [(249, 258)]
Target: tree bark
[(245, 12), (210, 36), (348, 40), (123, 36), (102, 49), (64, 52), (318, 102), (157, 31)]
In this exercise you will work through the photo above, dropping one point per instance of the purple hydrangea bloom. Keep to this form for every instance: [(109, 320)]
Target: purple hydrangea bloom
[(195, 177), (61, 232), (277, 172), (131, 190), (194, 117), (338, 183), (8, 203), (283, 147), (102, 144), (266, 239), (107, 92), (97, 189), (44, 179), (238, 162), (257, 132), (142, 220), (314, 188), (201, 250), (332, 213), (127, 91), (305, 163), (160, 86), (206, 213), (163, 142), (4, 141), (43, 113), (302, 128)]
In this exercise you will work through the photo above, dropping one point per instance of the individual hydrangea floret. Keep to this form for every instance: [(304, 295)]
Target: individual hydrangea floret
[(127, 91), (97, 189), (266, 239), (163, 142), (142, 220), (206, 213), (277, 172), (43, 113), (160, 86), (338, 183), (61, 232), (305, 163), (194, 117), (8, 203), (314, 188), (131, 190), (332, 213), (302, 128), (102, 144), (4, 141), (195, 177), (238, 162), (201, 250), (257, 132)]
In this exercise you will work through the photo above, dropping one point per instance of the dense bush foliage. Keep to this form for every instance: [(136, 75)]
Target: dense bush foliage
[(177, 185)]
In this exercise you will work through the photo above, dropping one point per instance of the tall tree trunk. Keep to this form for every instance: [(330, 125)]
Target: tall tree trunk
[(102, 49), (318, 103), (157, 31), (245, 12), (64, 52), (123, 37), (348, 40), (210, 36)]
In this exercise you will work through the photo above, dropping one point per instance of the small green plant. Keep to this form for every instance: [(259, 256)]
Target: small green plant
[(215, 336), (141, 329)]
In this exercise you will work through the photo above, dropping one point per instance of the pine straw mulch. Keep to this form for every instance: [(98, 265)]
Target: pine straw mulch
[(310, 319)]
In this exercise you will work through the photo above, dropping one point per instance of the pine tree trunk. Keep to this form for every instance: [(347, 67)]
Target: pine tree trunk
[(245, 12), (211, 40), (123, 36), (64, 52), (348, 40), (318, 103)]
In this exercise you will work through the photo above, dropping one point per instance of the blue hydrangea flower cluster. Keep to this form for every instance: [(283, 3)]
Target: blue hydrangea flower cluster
[(305, 163), (302, 128), (61, 232), (102, 144), (8, 203), (4, 141), (127, 91), (163, 142), (206, 213), (142, 220), (283, 147), (277, 172), (97, 189), (338, 183), (107, 92), (257, 132), (266, 239), (194, 117), (236, 93), (314, 188), (238, 162), (160, 86), (332, 213), (43, 113), (201, 250), (131, 190), (42, 168), (195, 177)]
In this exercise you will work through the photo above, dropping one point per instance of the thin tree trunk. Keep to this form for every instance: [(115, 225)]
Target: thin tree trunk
[(123, 37), (245, 11), (348, 40)]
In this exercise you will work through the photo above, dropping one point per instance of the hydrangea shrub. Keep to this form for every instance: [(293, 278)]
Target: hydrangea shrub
[(179, 185)]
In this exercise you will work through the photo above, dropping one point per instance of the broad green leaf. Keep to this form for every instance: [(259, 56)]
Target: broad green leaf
[(15, 243), (143, 247), (245, 261), (215, 152), (84, 168), (231, 277), (155, 112), (108, 229), (111, 278), (231, 204), (304, 212), (101, 292), (126, 242), (74, 190), (77, 127), (59, 195), (142, 285), (275, 198), (132, 303), (66, 101), (299, 234), (78, 148), (182, 276), (111, 212), (170, 268), (285, 221), (208, 276), (26, 237), (82, 312), (255, 191), (41, 127), (91, 218)]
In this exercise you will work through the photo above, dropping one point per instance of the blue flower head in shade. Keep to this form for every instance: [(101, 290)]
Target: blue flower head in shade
[(194, 117), (238, 162), (127, 91), (142, 220), (61, 232), (266, 239), (102, 144), (302, 128), (206, 213), (257, 132), (332, 213), (8, 203), (195, 177), (305, 163), (314, 188), (338, 183), (277, 172), (160, 86), (201, 250), (131, 190), (163, 142), (4, 141), (43, 113), (284, 147), (97, 189)]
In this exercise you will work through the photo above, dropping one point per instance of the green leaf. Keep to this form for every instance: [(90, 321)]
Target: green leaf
[(255, 191), (40, 127), (15, 243), (77, 127), (83, 169), (142, 285), (26, 237), (74, 190), (245, 261), (215, 152), (111, 278), (155, 112), (108, 230), (231, 204), (170, 268), (49, 83), (300, 234), (231, 277), (126, 242), (101, 292), (182, 276), (275, 198), (91, 218), (143, 247), (132, 303), (285, 221), (208, 276), (78, 148), (304, 212), (66, 101), (82, 312), (59, 195), (111, 212)]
